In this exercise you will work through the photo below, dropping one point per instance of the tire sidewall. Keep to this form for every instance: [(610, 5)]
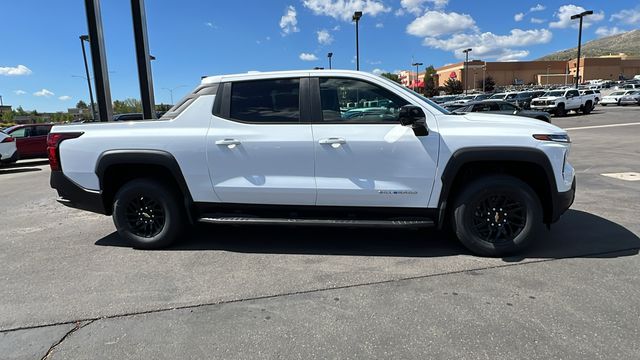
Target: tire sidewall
[(165, 198), (479, 189)]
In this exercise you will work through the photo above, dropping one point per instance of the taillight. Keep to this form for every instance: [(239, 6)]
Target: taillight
[(53, 145), (8, 139)]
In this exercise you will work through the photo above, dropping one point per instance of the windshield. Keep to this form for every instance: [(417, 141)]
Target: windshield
[(511, 96), (554, 93), (497, 96), (618, 93)]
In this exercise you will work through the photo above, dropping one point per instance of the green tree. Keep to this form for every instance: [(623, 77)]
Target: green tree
[(489, 84), (392, 77), (453, 86), (20, 110), (127, 106), (82, 105), (430, 86)]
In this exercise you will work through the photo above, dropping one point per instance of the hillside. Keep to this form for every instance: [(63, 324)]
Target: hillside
[(628, 43)]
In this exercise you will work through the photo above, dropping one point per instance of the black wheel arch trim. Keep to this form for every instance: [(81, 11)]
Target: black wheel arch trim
[(465, 156), (144, 157)]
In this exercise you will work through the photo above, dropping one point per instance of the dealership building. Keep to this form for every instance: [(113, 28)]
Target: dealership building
[(537, 72)]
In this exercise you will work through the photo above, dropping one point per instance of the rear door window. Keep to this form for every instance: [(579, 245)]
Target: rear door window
[(266, 101)]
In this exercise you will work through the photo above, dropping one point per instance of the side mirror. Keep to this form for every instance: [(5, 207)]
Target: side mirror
[(413, 116)]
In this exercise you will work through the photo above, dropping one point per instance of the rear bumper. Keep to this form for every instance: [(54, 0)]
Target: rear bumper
[(9, 159), (73, 195), (563, 201)]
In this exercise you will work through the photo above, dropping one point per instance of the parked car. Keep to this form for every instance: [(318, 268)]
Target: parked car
[(614, 97), (559, 102), (502, 107), (278, 148), (521, 99), (8, 149), (632, 98), (31, 139)]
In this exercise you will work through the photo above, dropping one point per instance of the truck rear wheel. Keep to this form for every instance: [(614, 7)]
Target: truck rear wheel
[(497, 215), (148, 214)]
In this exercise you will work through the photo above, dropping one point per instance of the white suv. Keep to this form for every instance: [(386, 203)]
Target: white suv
[(321, 148), (8, 150)]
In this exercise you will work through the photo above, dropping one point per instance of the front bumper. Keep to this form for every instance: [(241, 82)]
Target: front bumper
[(548, 108), (75, 196), (563, 201)]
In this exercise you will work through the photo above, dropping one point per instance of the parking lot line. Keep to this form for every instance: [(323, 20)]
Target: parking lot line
[(601, 126)]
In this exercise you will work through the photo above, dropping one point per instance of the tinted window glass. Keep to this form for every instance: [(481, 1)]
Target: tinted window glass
[(358, 101), (19, 133), (507, 107), (573, 93), (266, 101), (42, 130)]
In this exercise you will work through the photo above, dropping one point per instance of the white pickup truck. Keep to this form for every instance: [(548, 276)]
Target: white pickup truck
[(559, 102), (283, 148)]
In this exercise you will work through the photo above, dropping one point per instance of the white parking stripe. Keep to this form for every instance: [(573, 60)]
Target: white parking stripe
[(602, 126)]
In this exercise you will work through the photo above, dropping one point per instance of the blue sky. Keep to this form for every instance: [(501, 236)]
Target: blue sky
[(40, 56)]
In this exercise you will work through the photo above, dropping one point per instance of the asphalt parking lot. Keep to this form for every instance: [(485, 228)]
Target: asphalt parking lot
[(71, 288)]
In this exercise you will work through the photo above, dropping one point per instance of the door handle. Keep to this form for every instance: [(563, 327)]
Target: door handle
[(228, 142), (332, 141)]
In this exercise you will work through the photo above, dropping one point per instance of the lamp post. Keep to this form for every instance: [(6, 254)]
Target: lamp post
[(484, 69), (170, 90), (84, 38), (415, 85), (330, 55), (466, 68), (580, 16), (356, 17)]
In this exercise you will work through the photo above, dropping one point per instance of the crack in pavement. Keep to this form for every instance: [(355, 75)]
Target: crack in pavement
[(79, 325), (272, 296)]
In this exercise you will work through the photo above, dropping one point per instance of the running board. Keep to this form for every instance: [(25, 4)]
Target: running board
[(316, 222)]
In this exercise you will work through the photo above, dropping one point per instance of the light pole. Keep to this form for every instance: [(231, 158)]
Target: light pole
[(484, 77), (356, 17), (548, 75), (466, 68), (580, 16), (84, 38), (330, 55), (415, 85), (170, 90)]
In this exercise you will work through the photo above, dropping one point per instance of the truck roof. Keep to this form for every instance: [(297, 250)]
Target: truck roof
[(251, 75)]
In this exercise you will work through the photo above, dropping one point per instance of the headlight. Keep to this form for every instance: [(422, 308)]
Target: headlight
[(551, 137)]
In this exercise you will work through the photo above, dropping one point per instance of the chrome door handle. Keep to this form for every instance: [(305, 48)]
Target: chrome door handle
[(333, 140), (228, 142)]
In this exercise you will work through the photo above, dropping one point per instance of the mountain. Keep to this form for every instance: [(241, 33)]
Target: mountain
[(628, 43)]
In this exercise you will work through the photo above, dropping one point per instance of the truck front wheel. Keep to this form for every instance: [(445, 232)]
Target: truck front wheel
[(148, 214), (497, 215)]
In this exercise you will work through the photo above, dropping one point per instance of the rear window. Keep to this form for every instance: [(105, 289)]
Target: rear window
[(184, 103)]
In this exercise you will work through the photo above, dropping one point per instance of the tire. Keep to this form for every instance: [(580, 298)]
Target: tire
[(148, 214), (587, 108), (516, 230), (603, 104), (560, 111)]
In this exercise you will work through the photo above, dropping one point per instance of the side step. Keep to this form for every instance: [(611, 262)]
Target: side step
[(234, 220)]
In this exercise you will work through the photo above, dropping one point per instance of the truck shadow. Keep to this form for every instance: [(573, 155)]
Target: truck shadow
[(577, 234)]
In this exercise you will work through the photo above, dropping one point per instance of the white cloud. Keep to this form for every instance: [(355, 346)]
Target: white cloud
[(538, 7), (210, 24), (43, 92), (308, 57), (489, 45), (344, 9), (518, 17), (417, 7), (537, 20), (437, 23), (379, 25), (289, 21), (513, 55), (604, 31), (15, 71), (324, 37), (19, 92), (565, 12), (336, 28), (377, 71), (629, 17), (64, 97)]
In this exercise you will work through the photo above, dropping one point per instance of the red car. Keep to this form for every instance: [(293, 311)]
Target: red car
[(31, 139)]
